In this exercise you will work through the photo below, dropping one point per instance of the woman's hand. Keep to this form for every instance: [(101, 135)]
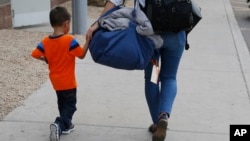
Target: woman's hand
[(95, 26), (91, 30), (155, 62)]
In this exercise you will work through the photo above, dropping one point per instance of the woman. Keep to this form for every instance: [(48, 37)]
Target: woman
[(160, 96)]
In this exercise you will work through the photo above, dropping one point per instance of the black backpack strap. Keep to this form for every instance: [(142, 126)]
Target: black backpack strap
[(187, 44)]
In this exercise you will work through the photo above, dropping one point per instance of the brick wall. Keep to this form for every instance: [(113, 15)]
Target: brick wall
[(5, 12), (5, 16), (4, 2)]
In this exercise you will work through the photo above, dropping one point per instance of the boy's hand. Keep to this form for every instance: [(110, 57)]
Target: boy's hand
[(44, 59), (85, 48)]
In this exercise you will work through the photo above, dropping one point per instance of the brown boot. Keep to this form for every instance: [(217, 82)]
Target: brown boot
[(152, 128), (161, 132)]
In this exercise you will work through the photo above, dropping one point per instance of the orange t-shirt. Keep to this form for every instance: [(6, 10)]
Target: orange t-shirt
[(60, 53)]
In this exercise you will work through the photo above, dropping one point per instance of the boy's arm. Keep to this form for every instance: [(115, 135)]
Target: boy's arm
[(37, 54), (43, 59), (77, 50), (85, 49)]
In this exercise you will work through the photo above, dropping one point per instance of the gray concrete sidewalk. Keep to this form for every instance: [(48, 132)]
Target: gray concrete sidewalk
[(213, 92)]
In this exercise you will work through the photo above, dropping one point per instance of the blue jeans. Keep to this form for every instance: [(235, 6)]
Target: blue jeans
[(160, 97), (66, 100)]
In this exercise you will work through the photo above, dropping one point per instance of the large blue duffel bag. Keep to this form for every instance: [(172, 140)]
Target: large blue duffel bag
[(121, 49)]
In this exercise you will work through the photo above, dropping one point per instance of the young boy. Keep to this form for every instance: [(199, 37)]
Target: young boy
[(59, 51)]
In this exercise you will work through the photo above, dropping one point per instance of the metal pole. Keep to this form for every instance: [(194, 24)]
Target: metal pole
[(79, 16)]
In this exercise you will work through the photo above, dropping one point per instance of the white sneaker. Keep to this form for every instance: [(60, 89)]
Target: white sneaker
[(54, 132)]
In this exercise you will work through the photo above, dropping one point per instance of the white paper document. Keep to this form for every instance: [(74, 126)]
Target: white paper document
[(155, 74)]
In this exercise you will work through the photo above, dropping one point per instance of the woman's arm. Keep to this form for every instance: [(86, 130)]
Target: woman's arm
[(94, 27)]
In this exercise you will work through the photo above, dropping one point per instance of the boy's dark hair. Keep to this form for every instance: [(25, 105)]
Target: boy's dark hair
[(58, 15)]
